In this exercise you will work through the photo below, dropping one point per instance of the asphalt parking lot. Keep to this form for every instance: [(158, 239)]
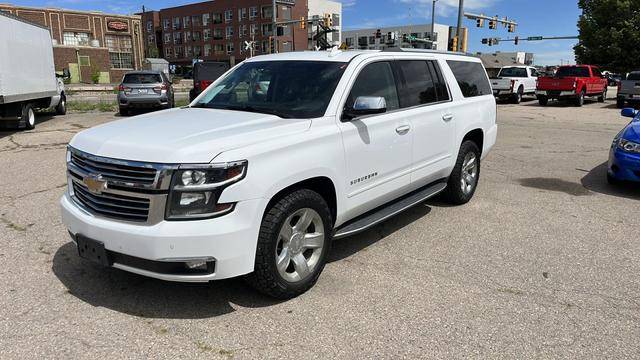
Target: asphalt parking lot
[(543, 263)]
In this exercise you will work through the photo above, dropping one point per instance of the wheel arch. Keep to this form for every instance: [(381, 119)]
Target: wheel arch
[(475, 135), (323, 185)]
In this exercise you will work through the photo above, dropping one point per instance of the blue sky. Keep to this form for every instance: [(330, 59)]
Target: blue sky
[(535, 18)]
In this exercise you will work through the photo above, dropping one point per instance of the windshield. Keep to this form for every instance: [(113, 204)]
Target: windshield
[(513, 72), (289, 89), (142, 79), (573, 71)]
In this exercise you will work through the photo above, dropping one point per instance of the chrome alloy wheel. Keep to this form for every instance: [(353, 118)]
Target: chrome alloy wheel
[(469, 173), (31, 118), (300, 243)]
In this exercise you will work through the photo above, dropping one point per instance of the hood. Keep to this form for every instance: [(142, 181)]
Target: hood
[(183, 135), (632, 131)]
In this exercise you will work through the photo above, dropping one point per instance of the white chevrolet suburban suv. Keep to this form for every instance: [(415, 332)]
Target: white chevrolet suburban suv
[(281, 155)]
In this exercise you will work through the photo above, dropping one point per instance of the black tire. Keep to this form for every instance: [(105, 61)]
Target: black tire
[(27, 117), (580, 99), (454, 193), (543, 100), (602, 96), (124, 111), (265, 277), (61, 109), (620, 103), (517, 97)]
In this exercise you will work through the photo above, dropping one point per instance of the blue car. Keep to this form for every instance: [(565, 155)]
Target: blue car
[(624, 159)]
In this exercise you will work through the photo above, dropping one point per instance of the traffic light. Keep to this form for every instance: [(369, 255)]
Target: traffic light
[(480, 23), (490, 42), (303, 23), (485, 41), (493, 24), (516, 40), (378, 34), (328, 20), (454, 44), (512, 28), (405, 38), (272, 43)]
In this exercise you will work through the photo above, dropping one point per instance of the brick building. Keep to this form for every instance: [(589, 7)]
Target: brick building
[(90, 44), (217, 30)]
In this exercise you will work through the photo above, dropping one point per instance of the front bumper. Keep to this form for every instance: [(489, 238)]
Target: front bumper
[(229, 240), (624, 166)]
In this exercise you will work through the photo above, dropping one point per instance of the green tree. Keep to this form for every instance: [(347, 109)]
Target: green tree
[(609, 33)]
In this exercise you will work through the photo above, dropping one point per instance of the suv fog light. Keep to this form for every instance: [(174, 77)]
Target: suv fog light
[(196, 264)]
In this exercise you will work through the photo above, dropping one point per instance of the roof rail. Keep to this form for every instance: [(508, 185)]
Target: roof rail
[(428, 51)]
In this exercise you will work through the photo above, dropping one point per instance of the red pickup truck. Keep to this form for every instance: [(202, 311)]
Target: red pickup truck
[(572, 83)]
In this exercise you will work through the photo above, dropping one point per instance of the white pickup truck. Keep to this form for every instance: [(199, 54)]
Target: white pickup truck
[(629, 90), (250, 182), (28, 80), (513, 82)]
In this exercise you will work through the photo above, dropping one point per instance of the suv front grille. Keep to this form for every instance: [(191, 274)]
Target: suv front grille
[(114, 172), (113, 205)]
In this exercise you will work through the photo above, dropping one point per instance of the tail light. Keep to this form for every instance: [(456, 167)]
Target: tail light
[(513, 84), (161, 88), (124, 88), (619, 86), (205, 84)]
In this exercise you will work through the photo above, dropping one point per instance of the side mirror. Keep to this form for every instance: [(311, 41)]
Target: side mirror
[(366, 105), (629, 112)]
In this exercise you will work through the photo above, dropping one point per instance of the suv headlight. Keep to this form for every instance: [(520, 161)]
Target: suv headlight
[(628, 146), (196, 189)]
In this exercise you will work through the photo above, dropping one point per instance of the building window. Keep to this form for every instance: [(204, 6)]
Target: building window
[(267, 29), (186, 21), (228, 15), (218, 49), (229, 48), (189, 51), (253, 12), (167, 38), (348, 42), (207, 49), (149, 26), (168, 52), (242, 13), (206, 19), (76, 39), (253, 29), (120, 51), (336, 20), (165, 24), (151, 39), (177, 38), (217, 18), (195, 20), (179, 52), (267, 12), (196, 36), (84, 60), (286, 13), (197, 51), (217, 34), (242, 30), (229, 32), (176, 23)]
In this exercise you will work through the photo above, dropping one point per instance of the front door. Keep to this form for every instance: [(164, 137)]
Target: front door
[(377, 147)]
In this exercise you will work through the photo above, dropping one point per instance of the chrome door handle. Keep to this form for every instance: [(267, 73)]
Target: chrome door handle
[(447, 117), (404, 129)]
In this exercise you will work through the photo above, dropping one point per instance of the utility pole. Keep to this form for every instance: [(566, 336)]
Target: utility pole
[(433, 18), (459, 31), (273, 25)]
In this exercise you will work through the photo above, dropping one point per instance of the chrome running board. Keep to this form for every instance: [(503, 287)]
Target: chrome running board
[(389, 210)]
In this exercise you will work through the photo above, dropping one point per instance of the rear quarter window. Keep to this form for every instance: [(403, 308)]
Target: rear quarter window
[(471, 78)]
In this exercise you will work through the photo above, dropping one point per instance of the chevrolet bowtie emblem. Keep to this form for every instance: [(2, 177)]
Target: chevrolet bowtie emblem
[(95, 184)]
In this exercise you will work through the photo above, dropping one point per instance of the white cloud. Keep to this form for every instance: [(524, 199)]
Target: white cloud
[(348, 3), (554, 57), (446, 7)]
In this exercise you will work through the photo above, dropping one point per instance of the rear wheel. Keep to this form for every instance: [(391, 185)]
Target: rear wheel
[(580, 99), (543, 100), (27, 117), (61, 109), (620, 103), (466, 173), (294, 240), (124, 111), (517, 97)]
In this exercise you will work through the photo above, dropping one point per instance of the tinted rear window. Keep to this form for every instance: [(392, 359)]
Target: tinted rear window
[(634, 76), (142, 79), (513, 72), (573, 71), (471, 78)]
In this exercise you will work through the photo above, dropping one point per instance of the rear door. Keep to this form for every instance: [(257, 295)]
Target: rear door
[(377, 147), (532, 81), (426, 103)]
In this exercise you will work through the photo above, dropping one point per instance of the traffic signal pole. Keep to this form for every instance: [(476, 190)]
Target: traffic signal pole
[(274, 26), (459, 31)]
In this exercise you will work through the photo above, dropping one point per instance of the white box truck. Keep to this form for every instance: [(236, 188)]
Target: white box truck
[(28, 80)]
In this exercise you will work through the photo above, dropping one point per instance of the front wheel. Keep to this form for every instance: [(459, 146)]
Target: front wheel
[(61, 109), (620, 103), (466, 173), (294, 240), (543, 100)]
